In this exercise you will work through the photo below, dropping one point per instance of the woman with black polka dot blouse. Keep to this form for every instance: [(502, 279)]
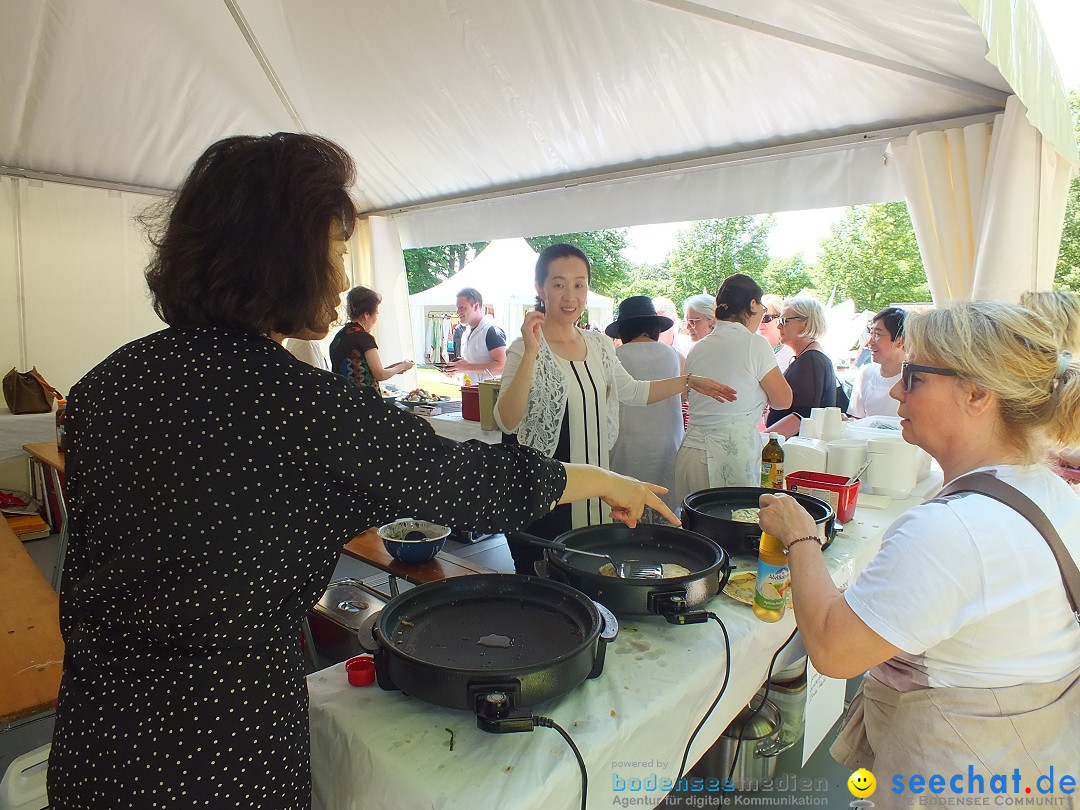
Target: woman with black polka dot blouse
[(213, 480)]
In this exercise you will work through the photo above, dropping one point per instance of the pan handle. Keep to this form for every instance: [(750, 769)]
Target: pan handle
[(608, 630), (366, 634), (533, 540)]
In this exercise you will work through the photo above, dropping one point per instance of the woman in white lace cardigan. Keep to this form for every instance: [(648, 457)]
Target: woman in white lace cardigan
[(562, 385)]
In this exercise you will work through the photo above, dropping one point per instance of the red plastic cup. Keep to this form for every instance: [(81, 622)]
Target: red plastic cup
[(361, 670)]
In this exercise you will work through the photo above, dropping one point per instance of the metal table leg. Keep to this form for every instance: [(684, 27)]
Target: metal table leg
[(61, 507)]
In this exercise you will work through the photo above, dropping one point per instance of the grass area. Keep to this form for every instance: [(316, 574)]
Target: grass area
[(435, 382)]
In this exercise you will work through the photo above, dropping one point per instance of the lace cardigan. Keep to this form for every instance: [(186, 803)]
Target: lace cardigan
[(540, 426)]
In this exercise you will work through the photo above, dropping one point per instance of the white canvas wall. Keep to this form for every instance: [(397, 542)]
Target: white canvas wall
[(71, 277)]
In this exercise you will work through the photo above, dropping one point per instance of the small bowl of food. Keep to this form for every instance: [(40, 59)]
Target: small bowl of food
[(413, 541)]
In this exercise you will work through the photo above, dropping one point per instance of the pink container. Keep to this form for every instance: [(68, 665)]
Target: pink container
[(830, 488)]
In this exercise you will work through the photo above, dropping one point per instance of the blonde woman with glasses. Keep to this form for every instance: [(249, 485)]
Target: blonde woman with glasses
[(810, 374), (964, 618)]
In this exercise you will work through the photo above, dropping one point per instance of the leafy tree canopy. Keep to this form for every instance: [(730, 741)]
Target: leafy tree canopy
[(711, 250), (1067, 276), (604, 249), (786, 277), (871, 256), (645, 279), (426, 267)]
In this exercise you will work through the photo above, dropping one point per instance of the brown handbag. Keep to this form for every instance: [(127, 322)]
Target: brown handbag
[(28, 392)]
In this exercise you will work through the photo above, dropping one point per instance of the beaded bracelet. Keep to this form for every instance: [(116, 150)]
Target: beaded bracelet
[(813, 537)]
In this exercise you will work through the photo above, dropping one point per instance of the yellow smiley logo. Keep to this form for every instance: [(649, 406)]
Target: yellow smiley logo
[(862, 784)]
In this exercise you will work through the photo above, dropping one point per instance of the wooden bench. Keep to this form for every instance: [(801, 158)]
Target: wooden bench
[(368, 547), (31, 650)]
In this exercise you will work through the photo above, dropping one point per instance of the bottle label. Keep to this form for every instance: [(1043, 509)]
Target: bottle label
[(773, 583), (772, 475)]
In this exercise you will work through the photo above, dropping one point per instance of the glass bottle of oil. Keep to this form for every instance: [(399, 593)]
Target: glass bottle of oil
[(773, 580), (772, 464)]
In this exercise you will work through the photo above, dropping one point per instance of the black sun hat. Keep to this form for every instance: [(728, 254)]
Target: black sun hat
[(638, 308)]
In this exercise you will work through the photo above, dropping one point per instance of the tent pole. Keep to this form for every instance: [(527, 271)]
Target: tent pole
[(964, 87), (264, 63)]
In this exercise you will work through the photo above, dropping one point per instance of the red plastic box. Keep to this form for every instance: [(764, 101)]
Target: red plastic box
[(830, 488), (470, 402)]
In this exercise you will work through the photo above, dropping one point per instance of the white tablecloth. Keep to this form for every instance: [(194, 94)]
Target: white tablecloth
[(453, 426), (379, 750), (26, 428)]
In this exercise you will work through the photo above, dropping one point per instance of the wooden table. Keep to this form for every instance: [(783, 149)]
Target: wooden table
[(368, 547), (47, 455), (31, 650)]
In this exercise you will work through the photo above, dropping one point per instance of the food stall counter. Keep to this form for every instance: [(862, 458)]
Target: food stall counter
[(381, 750)]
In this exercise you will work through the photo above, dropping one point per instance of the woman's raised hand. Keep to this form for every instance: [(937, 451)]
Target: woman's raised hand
[(710, 388), (629, 497), (530, 331)]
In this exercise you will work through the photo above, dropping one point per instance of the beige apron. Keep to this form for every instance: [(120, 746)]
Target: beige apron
[(1032, 727)]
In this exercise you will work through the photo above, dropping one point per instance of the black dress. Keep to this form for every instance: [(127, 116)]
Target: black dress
[(813, 385), (213, 480)]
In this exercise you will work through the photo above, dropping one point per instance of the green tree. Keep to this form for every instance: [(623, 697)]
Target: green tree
[(710, 250), (426, 267), (871, 256), (1067, 276), (786, 277), (604, 249), (645, 279)]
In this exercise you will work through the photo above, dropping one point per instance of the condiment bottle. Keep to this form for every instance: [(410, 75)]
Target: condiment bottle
[(61, 412), (772, 464), (773, 580)]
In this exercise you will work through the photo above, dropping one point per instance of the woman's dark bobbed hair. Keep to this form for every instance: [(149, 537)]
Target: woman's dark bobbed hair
[(734, 297), (244, 242)]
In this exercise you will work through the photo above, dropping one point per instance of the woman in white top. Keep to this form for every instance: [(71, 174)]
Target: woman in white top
[(722, 447), (561, 384), (961, 617), (874, 380)]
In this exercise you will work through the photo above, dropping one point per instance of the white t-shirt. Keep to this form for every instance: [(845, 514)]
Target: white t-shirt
[(870, 393), (784, 355), (971, 592), (309, 351), (735, 356)]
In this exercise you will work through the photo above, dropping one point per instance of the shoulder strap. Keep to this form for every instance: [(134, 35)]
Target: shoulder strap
[(37, 376), (993, 487)]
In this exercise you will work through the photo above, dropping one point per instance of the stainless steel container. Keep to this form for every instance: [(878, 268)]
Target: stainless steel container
[(339, 614), (757, 751)]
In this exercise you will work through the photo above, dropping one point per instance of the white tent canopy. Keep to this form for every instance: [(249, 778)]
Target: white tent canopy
[(503, 273), (478, 119)]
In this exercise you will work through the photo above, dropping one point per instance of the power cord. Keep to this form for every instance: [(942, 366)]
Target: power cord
[(754, 711), (720, 694), (547, 722)]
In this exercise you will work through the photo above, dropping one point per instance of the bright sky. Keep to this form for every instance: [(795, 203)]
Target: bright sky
[(802, 231)]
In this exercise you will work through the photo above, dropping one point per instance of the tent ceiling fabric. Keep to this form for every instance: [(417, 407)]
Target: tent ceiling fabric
[(443, 99)]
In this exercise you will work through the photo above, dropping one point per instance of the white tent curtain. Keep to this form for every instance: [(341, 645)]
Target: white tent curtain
[(379, 263), (987, 203)]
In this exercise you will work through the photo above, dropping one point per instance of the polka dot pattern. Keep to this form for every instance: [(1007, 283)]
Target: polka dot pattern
[(213, 480)]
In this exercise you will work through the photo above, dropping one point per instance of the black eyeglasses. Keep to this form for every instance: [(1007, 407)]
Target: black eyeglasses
[(784, 321), (908, 369), (769, 318)]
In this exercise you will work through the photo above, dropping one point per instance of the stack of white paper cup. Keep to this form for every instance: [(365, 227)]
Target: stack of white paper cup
[(846, 457), (830, 423)]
